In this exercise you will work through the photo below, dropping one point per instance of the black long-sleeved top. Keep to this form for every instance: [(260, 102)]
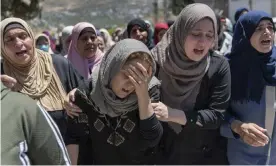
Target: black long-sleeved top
[(200, 142), (136, 139)]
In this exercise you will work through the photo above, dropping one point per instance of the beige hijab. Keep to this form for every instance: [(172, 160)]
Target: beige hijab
[(181, 76), (38, 78)]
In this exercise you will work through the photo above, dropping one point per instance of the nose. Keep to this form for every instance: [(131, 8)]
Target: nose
[(18, 43), (202, 40), (267, 31), (138, 32)]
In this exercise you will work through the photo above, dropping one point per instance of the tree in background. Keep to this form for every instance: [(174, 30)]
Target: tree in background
[(24, 9), (178, 5)]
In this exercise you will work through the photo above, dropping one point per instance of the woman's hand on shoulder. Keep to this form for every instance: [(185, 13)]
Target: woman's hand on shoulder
[(71, 109), (8, 81)]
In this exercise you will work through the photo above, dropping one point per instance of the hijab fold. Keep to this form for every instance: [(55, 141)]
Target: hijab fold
[(38, 78), (83, 65), (250, 69), (181, 76), (111, 64)]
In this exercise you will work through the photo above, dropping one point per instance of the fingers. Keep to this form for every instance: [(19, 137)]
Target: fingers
[(251, 139), (259, 136), (142, 69), (157, 116), (154, 105), (133, 81), (8, 79), (74, 107), (72, 95), (259, 128), (72, 114), (134, 76)]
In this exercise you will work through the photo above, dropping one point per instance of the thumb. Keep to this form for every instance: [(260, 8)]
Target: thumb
[(6, 78), (72, 97)]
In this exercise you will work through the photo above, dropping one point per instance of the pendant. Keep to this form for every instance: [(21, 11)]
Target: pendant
[(99, 125), (129, 126), (115, 139), (82, 118)]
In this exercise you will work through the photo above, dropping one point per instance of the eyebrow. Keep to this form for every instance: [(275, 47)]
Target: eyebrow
[(8, 35), (210, 31), (269, 23)]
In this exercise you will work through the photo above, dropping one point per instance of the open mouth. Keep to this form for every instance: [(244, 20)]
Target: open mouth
[(90, 49), (198, 51), (266, 42), (21, 53), (125, 90)]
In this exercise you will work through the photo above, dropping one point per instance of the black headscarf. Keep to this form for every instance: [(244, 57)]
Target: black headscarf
[(144, 26)]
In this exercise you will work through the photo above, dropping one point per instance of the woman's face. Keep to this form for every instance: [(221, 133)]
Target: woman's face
[(161, 34), (120, 83), (101, 43), (262, 38), (42, 43), (87, 43), (18, 45), (200, 40), (138, 34)]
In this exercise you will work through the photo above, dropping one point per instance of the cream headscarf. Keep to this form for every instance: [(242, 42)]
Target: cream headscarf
[(38, 78), (49, 41), (181, 76)]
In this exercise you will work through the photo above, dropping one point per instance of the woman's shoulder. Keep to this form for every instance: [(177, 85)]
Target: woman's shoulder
[(218, 62), (219, 66), (57, 58)]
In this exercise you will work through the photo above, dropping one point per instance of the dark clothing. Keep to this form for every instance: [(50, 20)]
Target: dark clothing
[(200, 142), (120, 140)]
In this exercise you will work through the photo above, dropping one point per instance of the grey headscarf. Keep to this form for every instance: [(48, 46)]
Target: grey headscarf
[(111, 64), (66, 32), (181, 76)]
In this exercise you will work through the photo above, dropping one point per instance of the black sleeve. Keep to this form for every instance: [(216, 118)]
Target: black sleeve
[(75, 129), (86, 86), (68, 75), (213, 116), (269, 68), (151, 129)]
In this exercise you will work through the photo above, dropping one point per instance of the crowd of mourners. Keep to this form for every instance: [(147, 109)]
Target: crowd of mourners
[(197, 90)]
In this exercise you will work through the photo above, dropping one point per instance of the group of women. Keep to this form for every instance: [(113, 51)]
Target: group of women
[(135, 103)]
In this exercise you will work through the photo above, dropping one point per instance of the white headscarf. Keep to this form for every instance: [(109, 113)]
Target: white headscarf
[(107, 39)]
